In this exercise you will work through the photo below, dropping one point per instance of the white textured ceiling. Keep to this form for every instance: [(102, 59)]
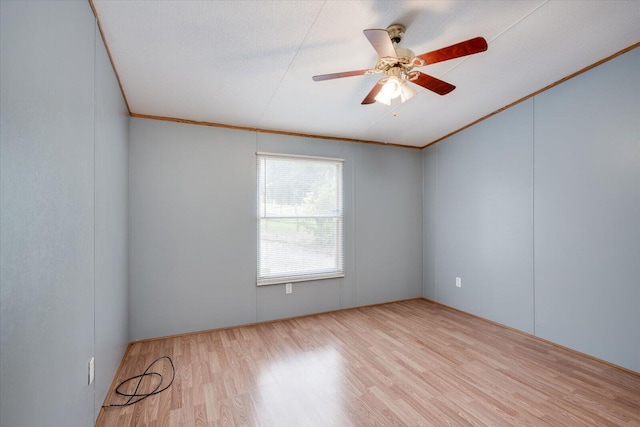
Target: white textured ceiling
[(250, 63)]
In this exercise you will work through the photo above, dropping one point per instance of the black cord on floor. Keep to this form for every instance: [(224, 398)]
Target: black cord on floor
[(142, 396)]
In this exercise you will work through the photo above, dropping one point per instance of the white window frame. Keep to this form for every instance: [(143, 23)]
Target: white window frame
[(267, 279)]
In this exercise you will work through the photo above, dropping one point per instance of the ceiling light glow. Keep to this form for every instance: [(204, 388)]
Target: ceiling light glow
[(389, 91), (394, 87)]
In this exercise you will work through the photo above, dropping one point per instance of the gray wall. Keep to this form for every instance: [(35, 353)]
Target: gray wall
[(587, 212), (111, 224), (537, 209), (192, 257), (193, 228), (56, 167), (478, 216), (387, 224), (429, 226)]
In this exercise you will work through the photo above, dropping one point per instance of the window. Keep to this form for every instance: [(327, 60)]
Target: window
[(300, 220)]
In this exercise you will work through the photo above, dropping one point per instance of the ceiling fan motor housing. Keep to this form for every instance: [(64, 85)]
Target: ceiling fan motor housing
[(403, 63), (403, 52)]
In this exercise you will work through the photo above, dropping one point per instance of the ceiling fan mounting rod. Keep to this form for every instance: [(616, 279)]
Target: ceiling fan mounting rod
[(396, 32)]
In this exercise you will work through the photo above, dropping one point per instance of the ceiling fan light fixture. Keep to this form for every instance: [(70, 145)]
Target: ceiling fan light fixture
[(391, 90)]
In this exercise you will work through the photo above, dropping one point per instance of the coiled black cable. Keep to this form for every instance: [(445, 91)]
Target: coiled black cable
[(142, 396)]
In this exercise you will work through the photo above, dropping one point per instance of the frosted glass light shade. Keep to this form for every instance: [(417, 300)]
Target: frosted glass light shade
[(406, 92)]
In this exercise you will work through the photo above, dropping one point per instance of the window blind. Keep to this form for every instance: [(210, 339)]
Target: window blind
[(300, 218)]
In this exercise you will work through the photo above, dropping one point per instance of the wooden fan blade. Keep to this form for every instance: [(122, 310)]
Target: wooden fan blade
[(381, 42), (371, 97), (331, 76), (435, 85), (469, 47)]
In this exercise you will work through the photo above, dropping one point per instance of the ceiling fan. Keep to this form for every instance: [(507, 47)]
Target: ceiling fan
[(398, 64)]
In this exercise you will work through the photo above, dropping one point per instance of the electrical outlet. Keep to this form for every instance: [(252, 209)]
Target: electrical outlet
[(91, 371), (458, 282), (289, 288)]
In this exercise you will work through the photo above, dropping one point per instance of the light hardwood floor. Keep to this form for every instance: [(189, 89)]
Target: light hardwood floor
[(408, 363)]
